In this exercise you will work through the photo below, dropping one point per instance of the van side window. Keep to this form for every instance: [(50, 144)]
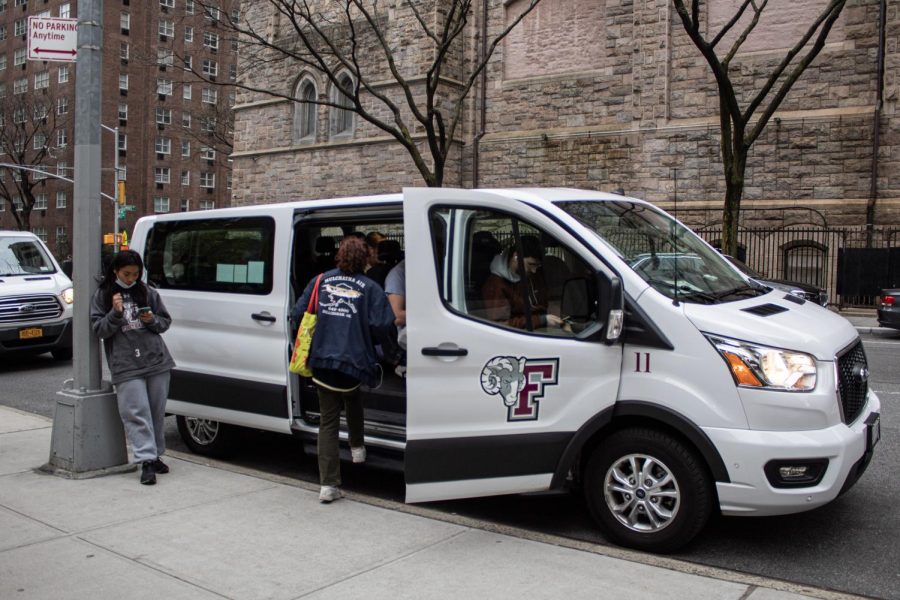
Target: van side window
[(212, 255), (496, 268)]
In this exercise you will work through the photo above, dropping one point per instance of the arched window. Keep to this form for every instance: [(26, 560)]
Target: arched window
[(804, 261), (305, 111), (342, 118)]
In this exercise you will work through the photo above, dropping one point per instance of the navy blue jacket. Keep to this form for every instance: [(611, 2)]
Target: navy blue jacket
[(352, 308)]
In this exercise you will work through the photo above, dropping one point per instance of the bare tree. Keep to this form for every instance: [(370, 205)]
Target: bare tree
[(29, 130), (337, 38), (741, 127)]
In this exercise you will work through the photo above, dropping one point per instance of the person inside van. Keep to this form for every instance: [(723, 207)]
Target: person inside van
[(373, 238), (506, 288), (352, 309)]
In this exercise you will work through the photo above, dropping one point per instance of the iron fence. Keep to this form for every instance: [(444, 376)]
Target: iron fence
[(851, 263)]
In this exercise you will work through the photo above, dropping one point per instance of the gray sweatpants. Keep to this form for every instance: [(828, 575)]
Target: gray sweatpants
[(142, 406)]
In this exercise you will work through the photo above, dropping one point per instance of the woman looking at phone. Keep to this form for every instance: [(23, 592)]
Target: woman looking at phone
[(129, 317)]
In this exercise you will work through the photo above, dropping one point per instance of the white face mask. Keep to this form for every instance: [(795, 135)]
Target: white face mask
[(124, 285)]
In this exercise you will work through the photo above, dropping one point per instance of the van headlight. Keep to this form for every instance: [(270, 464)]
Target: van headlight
[(68, 295), (753, 365)]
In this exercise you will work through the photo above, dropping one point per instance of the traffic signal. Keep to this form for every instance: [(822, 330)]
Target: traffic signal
[(121, 193)]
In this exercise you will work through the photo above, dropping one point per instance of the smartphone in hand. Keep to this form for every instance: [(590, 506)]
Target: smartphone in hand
[(144, 310)]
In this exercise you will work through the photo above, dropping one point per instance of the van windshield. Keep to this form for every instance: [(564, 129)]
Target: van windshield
[(19, 256), (667, 255)]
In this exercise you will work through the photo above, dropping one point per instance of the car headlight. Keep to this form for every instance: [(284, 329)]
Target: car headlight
[(68, 295), (753, 365)]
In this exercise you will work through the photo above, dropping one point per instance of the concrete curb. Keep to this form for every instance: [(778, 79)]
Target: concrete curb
[(879, 331)]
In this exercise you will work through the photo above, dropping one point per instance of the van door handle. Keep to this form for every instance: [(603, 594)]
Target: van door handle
[(263, 316), (437, 351)]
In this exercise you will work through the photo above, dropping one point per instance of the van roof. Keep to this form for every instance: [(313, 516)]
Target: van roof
[(535, 196), (15, 233)]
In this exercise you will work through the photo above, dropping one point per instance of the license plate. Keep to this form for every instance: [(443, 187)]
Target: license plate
[(874, 432), (31, 333)]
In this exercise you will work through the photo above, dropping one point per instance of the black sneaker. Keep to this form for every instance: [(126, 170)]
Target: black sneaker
[(148, 473), (160, 467)]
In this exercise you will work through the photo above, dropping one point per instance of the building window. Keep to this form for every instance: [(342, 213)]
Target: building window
[(162, 175), (207, 124), (185, 148), (125, 22), (20, 85), (342, 118), (165, 57), (61, 200), (124, 51), (42, 80), (163, 146), (40, 202), (65, 11), (189, 7), (2, 90), (123, 113), (40, 141), (41, 232), (211, 40), (62, 168), (3, 62), (61, 235), (161, 204), (187, 91), (207, 180), (19, 115), (167, 3), (40, 112), (19, 56), (207, 153), (62, 138), (123, 141), (207, 204), (211, 13), (123, 82), (188, 63), (305, 112), (186, 120), (164, 87), (188, 34), (186, 178), (228, 181), (232, 72), (163, 116), (21, 27), (166, 27), (2, 32), (62, 105), (185, 205), (210, 67), (209, 96), (63, 75)]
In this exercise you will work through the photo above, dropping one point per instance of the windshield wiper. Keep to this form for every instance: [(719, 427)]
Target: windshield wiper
[(683, 292), (744, 290)]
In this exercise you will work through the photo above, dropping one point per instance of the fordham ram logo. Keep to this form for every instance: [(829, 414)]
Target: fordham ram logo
[(520, 383)]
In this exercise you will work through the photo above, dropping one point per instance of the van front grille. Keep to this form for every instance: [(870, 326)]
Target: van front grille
[(29, 309), (853, 376)]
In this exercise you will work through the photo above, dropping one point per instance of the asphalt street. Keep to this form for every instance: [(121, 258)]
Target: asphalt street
[(845, 546)]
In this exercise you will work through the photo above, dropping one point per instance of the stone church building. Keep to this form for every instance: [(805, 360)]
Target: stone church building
[(608, 95)]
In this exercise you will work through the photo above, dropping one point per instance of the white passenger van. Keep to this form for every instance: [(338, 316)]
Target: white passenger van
[(676, 387), (35, 298)]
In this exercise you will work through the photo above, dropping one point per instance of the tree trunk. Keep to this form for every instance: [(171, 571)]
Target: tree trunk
[(734, 191)]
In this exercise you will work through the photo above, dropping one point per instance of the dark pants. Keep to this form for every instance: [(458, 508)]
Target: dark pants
[(330, 404)]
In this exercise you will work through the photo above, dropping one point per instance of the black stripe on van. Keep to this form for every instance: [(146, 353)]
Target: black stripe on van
[(451, 459), (226, 392)]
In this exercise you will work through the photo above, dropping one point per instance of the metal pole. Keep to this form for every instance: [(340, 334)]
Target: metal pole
[(116, 190), (87, 438)]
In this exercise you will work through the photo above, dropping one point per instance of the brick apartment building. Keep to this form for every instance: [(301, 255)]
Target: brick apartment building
[(174, 131), (604, 94)]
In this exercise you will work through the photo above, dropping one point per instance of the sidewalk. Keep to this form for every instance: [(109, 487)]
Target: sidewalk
[(206, 531), (866, 321)]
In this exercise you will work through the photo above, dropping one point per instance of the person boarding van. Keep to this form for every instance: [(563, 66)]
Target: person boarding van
[(678, 387)]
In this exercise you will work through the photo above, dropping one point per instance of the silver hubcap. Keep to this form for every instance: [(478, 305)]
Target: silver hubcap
[(203, 431), (641, 493)]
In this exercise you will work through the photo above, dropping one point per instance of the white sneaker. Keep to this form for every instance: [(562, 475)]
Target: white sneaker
[(329, 494), (358, 454)]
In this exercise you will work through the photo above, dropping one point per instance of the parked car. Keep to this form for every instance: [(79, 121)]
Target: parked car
[(889, 308), (35, 298), (806, 291)]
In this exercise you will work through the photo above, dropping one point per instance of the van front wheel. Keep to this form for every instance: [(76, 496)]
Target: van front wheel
[(206, 437), (648, 490)]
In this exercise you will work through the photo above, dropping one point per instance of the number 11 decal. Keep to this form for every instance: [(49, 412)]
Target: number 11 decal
[(637, 362)]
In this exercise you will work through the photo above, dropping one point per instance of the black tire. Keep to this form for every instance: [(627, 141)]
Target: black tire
[(679, 487), (62, 354), (207, 437)]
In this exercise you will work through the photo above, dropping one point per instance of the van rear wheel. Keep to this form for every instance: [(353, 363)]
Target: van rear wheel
[(205, 436), (648, 490)]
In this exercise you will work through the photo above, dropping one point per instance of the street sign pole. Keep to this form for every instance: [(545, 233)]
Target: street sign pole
[(88, 438)]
